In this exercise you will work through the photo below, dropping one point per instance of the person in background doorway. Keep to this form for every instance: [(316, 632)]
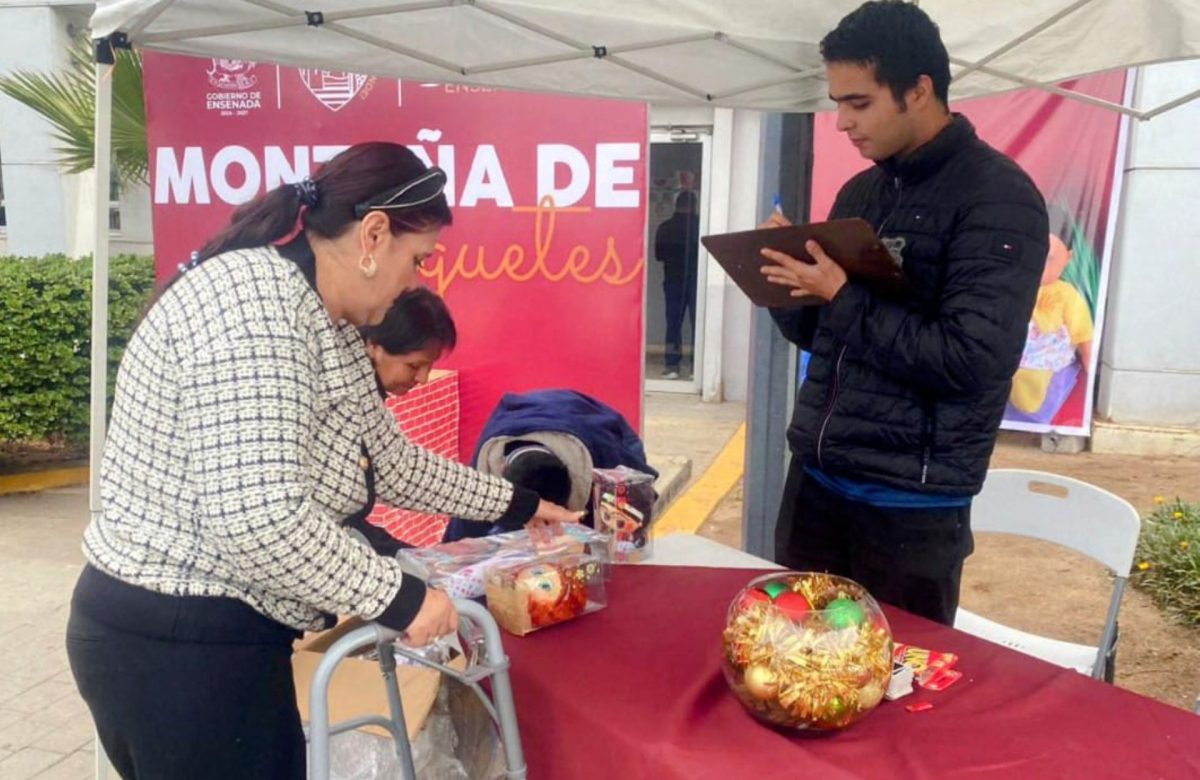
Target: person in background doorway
[(677, 247)]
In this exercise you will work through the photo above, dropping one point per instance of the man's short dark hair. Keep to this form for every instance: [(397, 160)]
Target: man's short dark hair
[(899, 40)]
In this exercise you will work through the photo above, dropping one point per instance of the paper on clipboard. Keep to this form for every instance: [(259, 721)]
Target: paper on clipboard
[(850, 242)]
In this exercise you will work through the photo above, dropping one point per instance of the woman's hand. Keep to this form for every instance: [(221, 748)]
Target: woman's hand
[(550, 515), (437, 617)]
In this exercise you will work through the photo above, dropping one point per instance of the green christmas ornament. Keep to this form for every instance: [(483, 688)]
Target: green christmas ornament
[(844, 613), (773, 589)]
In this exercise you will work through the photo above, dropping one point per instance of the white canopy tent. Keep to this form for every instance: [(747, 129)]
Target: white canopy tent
[(750, 54), (757, 54)]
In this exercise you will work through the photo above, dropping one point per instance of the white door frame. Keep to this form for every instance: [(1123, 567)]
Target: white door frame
[(700, 349)]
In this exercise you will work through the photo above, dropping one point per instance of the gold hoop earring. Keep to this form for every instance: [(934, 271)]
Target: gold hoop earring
[(368, 266)]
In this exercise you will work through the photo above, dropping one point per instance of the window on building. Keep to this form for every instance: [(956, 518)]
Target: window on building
[(114, 204), (3, 217)]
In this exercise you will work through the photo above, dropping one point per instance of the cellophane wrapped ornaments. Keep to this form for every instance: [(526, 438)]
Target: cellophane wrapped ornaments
[(623, 507), (460, 568), (554, 588), (807, 650)]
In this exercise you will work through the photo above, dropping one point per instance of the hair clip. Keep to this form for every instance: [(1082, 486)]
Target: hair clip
[(306, 189)]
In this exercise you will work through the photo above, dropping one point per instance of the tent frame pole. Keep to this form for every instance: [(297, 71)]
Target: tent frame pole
[(105, 59)]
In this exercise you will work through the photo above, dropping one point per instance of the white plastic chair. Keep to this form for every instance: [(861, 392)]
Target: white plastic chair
[(1071, 513)]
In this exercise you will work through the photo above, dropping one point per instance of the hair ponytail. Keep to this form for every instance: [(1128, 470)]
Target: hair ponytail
[(360, 173), (262, 221)]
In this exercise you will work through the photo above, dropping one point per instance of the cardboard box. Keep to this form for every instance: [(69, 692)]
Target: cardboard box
[(357, 687)]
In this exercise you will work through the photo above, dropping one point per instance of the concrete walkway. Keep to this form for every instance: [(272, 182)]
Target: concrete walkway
[(45, 729)]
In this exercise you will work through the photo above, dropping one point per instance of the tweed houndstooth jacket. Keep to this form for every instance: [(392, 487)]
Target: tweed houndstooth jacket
[(236, 446)]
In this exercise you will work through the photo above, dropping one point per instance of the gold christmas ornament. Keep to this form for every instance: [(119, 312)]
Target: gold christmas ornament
[(761, 682)]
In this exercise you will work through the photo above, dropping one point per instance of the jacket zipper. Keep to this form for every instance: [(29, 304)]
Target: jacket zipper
[(926, 442), (899, 185), (837, 370), (837, 374)]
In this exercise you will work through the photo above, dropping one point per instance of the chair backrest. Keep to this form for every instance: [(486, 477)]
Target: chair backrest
[(1062, 510)]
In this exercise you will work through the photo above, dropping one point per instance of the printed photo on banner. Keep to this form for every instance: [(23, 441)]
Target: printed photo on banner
[(1070, 150)]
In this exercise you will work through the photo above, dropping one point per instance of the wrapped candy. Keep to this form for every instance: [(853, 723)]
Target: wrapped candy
[(807, 650), (552, 589)]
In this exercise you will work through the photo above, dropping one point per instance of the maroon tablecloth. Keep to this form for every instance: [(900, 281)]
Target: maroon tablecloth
[(635, 691)]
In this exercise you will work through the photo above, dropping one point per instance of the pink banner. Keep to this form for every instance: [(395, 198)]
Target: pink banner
[(543, 265), (1069, 149)]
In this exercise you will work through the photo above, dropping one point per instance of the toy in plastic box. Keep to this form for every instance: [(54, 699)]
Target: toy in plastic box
[(552, 589), (623, 504)]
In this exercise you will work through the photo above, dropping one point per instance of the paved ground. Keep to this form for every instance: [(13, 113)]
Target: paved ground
[(45, 731)]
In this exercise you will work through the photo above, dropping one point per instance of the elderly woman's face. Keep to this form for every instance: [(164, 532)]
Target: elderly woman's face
[(400, 373)]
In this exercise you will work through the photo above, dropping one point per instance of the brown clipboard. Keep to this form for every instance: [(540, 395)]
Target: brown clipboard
[(852, 243)]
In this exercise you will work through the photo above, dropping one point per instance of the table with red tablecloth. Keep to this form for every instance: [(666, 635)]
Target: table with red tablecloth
[(636, 691)]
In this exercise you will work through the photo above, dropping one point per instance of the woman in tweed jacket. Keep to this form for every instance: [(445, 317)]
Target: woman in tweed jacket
[(245, 427)]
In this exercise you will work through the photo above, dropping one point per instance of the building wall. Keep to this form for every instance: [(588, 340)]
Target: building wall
[(1150, 359), (44, 215), (32, 38)]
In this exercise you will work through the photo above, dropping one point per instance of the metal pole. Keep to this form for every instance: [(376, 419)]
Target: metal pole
[(318, 701), (99, 377), (502, 696), (387, 663), (786, 171), (100, 172)]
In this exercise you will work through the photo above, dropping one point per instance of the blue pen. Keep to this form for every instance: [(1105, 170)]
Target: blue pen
[(778, 204)]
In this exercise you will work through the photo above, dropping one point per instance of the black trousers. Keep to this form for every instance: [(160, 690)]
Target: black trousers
[(680, 298), (183, 688), (909, 558)]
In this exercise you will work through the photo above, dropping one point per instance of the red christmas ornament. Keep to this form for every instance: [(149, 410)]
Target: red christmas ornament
[(752, 597), (793, 604)]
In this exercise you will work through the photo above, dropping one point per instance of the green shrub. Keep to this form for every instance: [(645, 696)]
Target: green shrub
[(1168, 558), (45, 339)]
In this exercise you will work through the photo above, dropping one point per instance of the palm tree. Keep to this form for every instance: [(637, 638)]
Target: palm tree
[(67, 99)]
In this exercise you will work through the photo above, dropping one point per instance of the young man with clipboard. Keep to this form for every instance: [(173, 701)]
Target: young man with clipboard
[(896, 420)]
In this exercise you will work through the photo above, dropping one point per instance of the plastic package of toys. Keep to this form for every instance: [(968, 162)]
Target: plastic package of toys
[(461, 568), (552, 589), (623, 505)]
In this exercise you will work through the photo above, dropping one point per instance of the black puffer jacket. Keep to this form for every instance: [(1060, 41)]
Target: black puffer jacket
[(910, 394)]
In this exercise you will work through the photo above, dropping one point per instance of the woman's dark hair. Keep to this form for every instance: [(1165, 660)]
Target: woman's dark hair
[(899, 40), (360, 174), (418, 319)]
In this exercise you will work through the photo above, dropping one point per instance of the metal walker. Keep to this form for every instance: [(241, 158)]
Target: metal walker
[(485, 658)]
